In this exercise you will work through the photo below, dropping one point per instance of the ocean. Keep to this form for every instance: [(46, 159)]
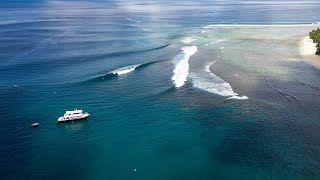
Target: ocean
[(175, 90)]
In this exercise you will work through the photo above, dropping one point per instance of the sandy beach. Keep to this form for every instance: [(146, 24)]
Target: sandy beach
[(307, 50)]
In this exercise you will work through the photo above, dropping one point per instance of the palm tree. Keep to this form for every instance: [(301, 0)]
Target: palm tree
[(315, 36)]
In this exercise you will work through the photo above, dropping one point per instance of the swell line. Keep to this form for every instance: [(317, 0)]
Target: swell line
[(82, 59)]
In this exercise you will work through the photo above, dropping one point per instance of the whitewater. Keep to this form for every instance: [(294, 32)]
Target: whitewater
[(124, 70), (204, 80), (181, 70), (207, 81)]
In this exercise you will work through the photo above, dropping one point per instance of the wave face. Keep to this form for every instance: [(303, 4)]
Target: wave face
[(125, 70), (209, 82), (181, 70)]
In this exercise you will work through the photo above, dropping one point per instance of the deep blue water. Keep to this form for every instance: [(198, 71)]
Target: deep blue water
[(61, 55)]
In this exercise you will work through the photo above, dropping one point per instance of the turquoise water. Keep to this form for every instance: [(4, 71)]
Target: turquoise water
[(170, 96)]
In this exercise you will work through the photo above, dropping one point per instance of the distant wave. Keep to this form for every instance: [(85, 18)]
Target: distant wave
[(10, 22), (122, 53), (132, 20), (84, 58), (181, 70), (209, 82)]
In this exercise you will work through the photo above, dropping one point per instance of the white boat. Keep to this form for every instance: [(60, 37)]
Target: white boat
[(73, 116)]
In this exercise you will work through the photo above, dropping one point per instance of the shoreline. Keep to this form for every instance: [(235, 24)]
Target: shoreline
[(307, 50)]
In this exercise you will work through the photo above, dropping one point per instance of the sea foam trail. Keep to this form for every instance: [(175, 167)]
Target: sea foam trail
[(181, 70), (207, 81)]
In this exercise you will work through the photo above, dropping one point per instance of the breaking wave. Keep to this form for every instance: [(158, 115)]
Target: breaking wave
[(207, 81), (181, 70), (120, 71), (238, 97), (125, 70), (128, 69), (125, 53)]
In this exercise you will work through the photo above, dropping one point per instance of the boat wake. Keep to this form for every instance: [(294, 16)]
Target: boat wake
[(207, 81), (181, 70)]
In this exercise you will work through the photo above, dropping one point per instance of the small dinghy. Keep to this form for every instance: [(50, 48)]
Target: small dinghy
[(34, 125)]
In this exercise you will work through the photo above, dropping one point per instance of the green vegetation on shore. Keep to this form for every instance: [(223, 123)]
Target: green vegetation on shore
[(315, 36)]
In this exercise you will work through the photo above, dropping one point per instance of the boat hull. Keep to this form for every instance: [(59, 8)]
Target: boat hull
[(62, 119)]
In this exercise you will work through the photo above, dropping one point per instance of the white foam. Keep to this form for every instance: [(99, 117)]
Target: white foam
[(207, 68), (214, 42), (207, 81), (212, 84), (188, 40), (238, 97), (256, 25), (125, 70), (181, 70), (222, 48)]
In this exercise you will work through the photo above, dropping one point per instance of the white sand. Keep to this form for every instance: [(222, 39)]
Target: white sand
[(307, 50)]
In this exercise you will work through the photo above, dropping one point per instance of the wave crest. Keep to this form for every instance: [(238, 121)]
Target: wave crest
[(181, 70), (118, 72), (124, 70)]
